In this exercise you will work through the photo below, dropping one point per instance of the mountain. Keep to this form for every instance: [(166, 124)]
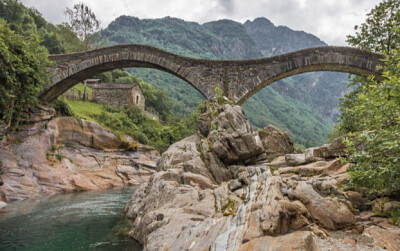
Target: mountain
[(305, 105), (274, 40)]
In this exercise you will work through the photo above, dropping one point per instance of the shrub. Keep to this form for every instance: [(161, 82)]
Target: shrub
[(142, 138)]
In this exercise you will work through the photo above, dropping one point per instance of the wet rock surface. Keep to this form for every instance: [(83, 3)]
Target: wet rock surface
[(218, 190), (66, 155)]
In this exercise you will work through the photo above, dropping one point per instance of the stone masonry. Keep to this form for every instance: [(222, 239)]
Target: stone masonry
[(239, 79), (118, 95)]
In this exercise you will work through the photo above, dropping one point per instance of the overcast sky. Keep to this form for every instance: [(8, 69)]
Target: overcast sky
[(330, 20)]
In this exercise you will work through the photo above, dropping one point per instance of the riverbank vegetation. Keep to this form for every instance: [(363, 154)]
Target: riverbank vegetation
[(370, 113)]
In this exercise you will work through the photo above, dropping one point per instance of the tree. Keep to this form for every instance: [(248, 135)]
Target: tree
[(370, 113), (375, 151), (22, 74), (379, 33), (84, 23)]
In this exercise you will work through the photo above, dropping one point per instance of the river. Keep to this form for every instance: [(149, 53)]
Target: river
[(80, 221)]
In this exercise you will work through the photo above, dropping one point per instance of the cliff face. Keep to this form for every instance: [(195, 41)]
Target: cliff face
[(67, 155), (304, 105), (230, 187)]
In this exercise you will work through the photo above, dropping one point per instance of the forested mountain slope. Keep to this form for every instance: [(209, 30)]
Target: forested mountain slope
[(305, 105)]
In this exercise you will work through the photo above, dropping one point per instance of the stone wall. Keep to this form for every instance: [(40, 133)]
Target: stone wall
[(138, 97), (115, 97)]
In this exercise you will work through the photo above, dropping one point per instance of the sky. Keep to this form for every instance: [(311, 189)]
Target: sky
[(330, 20)]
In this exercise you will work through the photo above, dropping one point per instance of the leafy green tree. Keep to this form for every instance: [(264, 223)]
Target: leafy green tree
[(379, 33), (84, 23), (22, 74), (370, 113), (375, 151)]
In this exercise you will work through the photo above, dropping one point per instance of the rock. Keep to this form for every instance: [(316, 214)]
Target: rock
[(66, 157), (384, 238), (356, 200), (388, 207), (276, 143), (204, 124), (235, 184), (234, 141), (305, 170), (199, 180), (278, 162), (295, 159), (38, 113), (185, 155), (274, 216), (2, 204), (335, 149), (71, 131), (300, 240), (330, 213)]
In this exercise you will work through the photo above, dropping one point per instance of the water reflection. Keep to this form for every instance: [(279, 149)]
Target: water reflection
[(83, 221)]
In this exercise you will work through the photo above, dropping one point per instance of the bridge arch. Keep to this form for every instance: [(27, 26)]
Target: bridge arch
[(70, 69), (239, 79)]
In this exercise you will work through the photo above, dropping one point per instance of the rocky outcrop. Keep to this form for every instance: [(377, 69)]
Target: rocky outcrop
[(233, 139), (334, 149), (217, 191), (66, 155), (276, 143)]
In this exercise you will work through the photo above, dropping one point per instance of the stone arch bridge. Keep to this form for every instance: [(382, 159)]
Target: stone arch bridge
[(239, 79)]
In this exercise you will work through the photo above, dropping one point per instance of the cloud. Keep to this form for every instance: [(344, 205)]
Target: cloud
[(330, 20)]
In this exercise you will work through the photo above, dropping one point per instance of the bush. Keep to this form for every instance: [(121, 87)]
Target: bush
[(61, 107), (142, 138)]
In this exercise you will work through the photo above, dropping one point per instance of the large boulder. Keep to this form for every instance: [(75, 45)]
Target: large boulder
[(193, 155), (328, 151), (232, 138), (276, 143), (329, 212), (70, 131)]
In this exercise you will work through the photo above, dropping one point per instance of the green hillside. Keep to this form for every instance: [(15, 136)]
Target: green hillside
[(305, 105)]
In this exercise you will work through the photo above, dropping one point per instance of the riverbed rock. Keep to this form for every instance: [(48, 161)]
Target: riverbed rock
[(276, 143), (194, 155), (65, 155), (295, 159), (332, 150), (301, 240), (70, 131), (384, 238), (329, 212), (234, 140)]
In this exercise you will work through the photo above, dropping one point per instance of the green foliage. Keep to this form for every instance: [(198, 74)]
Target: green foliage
[(378, 32), (61, 107), (142, 138), (375, 151), (22, 74), (370, 113), (57, 39)]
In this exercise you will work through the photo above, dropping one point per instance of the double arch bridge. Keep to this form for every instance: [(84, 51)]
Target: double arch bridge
[(239, 79)]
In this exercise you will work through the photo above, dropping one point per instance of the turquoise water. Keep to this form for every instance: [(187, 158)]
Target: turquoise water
[(83, 221)]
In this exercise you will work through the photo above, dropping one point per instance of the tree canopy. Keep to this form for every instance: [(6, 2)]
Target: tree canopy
[(370, 113), (22, 73)]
